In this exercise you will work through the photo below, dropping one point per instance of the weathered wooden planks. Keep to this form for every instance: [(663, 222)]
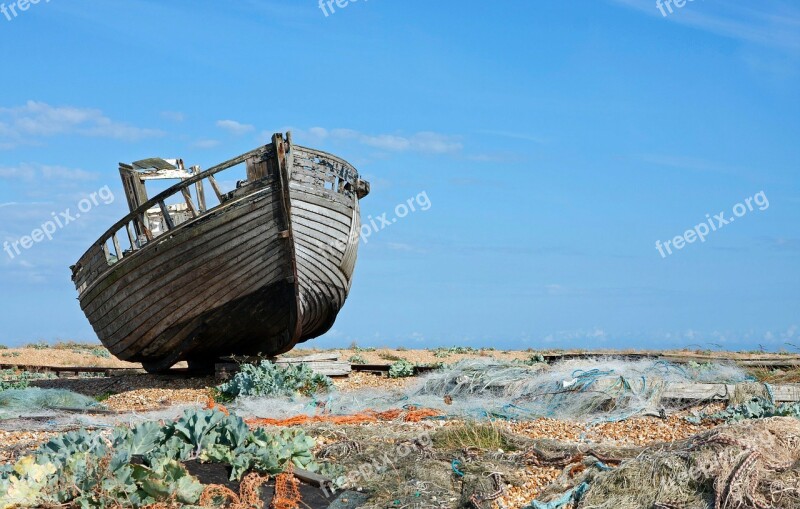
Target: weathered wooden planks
[(269, 266), (324, 235), (783, 360), (723, 392)]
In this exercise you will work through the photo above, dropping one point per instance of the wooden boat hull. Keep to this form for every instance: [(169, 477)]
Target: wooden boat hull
[(268, 268)]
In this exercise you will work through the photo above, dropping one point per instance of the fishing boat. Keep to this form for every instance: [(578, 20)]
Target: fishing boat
[(261, 264)]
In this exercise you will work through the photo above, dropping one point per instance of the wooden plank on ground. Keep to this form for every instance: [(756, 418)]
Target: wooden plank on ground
[(56, 369), (330, 368), (329, 356), (312, 478), (723, 392), (749, 360), (126, 372), (327, 363)]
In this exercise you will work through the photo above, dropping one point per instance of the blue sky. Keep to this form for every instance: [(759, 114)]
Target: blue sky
[(556, 142)]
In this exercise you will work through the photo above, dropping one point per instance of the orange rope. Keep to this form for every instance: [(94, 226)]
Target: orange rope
[(287, 494), (250, 490), (211, 405), (249, 496), (216, 495), (411, 415)]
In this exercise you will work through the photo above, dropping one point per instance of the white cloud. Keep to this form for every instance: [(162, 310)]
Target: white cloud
[(321, 132), (555, 289), (772, 23), (60, 172), (23, 124), (173, 116), (234, 127), (26, 171), (23, 171), (205, 143), (685, 163), (399, 246), (423, 141), (516, 136), (790, 333), (596, 334)]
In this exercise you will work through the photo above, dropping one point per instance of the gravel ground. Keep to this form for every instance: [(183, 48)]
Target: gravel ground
[(358, 380), (61, 357), (389, 355), (137, 392), (536, 480), (19, 443), (150, 392), (645, 431)]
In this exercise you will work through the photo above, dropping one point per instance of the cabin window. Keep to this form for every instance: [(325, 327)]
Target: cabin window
[(110, 252)]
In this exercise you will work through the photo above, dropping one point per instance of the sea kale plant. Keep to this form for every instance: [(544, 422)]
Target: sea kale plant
[(268, 379), (134, 467), (357, 359), (756, 408), (401, 369)]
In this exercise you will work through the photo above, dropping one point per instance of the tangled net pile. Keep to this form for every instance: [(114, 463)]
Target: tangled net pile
[(602, 390), (249, 497), (584, 390), (287, 495), (16, 403), (748, 465)]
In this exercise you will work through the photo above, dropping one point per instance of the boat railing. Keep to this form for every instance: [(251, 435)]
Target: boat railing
[(135, 227), (335, 174)]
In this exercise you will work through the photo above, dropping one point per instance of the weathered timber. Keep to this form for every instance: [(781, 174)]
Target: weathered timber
[(384, 368), (316, 480), (58, 370), (269, 266), (744, 360), (332, 356), (723, 392)]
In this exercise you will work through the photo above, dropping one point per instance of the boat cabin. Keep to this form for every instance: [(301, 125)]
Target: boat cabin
[(157, 220)]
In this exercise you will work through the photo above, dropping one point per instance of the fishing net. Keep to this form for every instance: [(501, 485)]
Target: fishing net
[(586, 390), (582, 390), (15, 403), (249, 496), (287, 493), (748, 391), (752, 464), (215, 495)]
